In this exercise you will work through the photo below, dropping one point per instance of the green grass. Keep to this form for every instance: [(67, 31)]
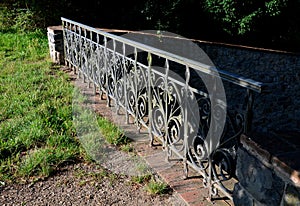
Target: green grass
[(96, 132), (156, 187), (41, 129), (127, 147), (141, 178), (113, 134), (151, 184), (36, 129)]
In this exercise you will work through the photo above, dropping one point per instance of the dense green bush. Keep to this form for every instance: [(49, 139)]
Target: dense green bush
[(6, 19), (17, 20)]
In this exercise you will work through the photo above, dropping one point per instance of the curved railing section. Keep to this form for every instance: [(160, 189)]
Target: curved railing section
[(164, 99)]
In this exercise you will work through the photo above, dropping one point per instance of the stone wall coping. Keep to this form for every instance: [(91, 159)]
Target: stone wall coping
[(276, 154), (218, 44), (54, 29)]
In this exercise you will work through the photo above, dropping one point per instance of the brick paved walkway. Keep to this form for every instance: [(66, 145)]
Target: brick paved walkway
[(190, 190)]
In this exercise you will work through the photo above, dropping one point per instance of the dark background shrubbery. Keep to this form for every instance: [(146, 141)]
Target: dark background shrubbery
[(263, 23)]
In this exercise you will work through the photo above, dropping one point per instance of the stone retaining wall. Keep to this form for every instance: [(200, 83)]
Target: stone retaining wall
[(271, 175), (277, 109)]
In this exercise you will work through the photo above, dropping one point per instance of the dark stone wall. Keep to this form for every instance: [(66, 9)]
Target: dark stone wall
[(257, 182), (276, 109), (262, 180)]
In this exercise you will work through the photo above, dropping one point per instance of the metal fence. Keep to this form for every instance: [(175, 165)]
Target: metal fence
[(180, 111)]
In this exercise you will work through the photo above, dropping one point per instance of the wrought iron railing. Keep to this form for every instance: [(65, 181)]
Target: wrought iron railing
[(163, 103)]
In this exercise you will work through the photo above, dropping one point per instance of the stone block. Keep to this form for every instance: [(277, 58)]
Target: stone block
[(259, 180), (57, 57), (55, 37), (54, 29), (241, 196), (55, 46)]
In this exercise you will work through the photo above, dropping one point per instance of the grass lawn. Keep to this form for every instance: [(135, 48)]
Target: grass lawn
[(36, 130)]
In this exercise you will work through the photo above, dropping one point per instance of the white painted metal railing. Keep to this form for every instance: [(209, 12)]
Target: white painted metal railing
[(162, 102)]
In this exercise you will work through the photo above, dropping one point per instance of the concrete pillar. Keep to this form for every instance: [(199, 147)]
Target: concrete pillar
[(55, 41)]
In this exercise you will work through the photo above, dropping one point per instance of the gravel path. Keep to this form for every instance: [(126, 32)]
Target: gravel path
[(83, 184)]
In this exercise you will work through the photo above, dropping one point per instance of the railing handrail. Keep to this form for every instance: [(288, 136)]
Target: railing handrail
[(228, 76)]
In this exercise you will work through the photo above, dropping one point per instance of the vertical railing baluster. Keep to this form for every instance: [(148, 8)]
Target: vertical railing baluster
[(70, 46), (125, 83), (68, 36), (89, 59), (80, 53), (94, 65), (209, 179), (114, 77), (212, 127), (71, 52), (210, 138), (166, 145), (74, 54), (71, 40), (136, 112), (249, 112), (64, 42), (185, 123), (149, 89), (72, 57), (99, 57), (106, 73), (84, 49)]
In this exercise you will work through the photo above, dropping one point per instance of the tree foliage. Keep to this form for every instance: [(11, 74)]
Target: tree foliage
[(162, 14), (240, 17), (265, 23), (269, 22)]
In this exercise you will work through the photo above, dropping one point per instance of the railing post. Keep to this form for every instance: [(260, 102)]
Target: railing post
[(125, 83), (94, 66), (64, 42), (149, 59), (106, 73), (136, 120), (79, 54), (165, 143), (89, 63), (98, 67), (114, 77), (84, 66), (185, 121)]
